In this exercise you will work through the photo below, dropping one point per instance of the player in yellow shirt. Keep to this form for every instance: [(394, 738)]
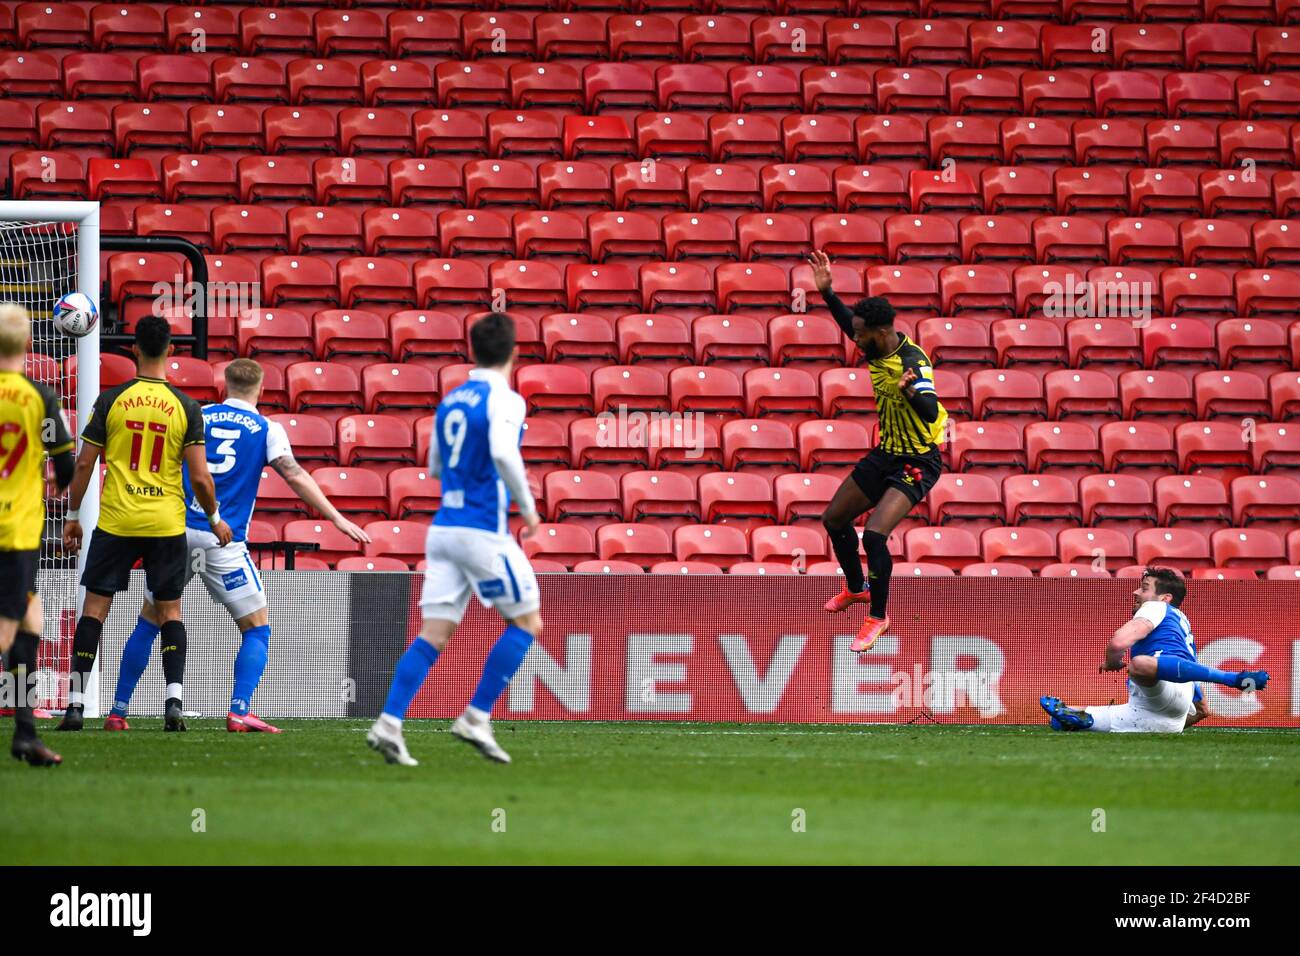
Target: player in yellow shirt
[(144, 429), (895, 475), (31, 427)]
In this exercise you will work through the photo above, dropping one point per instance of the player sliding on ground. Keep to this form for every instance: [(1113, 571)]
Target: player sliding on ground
[(144, 428), (475, 450), (895, 475), (240, 443), (31, 427), (1162, 667)]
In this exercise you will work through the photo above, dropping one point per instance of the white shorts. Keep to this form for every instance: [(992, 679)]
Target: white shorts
[(493, 566), (228, 573), (1161, 709)]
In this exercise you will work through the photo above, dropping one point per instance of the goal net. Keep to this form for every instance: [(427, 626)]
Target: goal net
[(48, 249)]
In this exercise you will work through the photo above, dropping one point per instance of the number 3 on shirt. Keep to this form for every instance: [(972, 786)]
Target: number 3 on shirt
[(137, 441), (226, 450)]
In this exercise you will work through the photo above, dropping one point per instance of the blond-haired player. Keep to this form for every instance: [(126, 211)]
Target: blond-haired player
[(31, 427)]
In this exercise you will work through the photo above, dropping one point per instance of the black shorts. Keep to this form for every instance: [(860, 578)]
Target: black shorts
[(913, 475), (111, 557), (17, 582)]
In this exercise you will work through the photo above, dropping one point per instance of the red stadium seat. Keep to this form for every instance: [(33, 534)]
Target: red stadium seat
[(1038, 498), (705, 389), (1137, 445), (566, 543), (987, 445), (734, 497), (757, 443), (1236, 394), (323, 385), (1013, 43), (966, 498), (1272, 498), (577, 495), (1028, 341), (665, 495), (1053, 445), (1196, 95), (1154, 192), (718, 544), (312, 437), (1252, 548), (1120, 498), (642, 544), (1180, 548), (1007, 392), (1284, 387), (1211, 445), (397, 83), (1100, 547), (1267, 291), (217, 26), (1197, 498), (1145, 393), (1277, 445), (803, 497), (950, 547)]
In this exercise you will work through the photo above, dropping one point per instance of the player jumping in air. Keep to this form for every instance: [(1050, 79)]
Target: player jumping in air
[(895, 475), (144, 428), (31, 427), (475, 450), (240, 443), (1161, 670)]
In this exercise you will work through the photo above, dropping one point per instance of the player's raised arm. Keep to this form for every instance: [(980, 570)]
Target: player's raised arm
[(305, 487), (821, 271)]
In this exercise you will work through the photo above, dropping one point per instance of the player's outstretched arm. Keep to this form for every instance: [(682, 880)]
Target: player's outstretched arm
[(1124, 638), (205, 490), (821, 273), (87, 462), (305, 487)]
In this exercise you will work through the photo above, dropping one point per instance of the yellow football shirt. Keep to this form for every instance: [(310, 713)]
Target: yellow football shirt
[(144, 427), (31, 426), (902, 430)]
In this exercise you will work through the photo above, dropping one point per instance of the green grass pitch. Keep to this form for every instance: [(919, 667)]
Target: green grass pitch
[(651, 793)]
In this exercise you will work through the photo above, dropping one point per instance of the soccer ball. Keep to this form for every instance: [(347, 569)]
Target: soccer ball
[(76, 314)]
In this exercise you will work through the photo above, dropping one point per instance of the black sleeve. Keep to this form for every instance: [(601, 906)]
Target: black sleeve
[(54, 428), (194, 423), (64, 467), (96, 431), (925, 404), (840, 312)]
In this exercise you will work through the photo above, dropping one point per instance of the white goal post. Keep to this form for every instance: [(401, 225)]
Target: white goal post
[(48, 249)]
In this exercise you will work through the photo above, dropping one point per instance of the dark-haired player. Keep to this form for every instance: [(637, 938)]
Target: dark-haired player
[(469, 549), (895, 475), (145, 429), (1162, 667), (31, 427)]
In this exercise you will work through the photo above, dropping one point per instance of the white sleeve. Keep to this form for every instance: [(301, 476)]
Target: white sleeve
[(1153, 611), (277, 442), (435, 455), (506, 413)]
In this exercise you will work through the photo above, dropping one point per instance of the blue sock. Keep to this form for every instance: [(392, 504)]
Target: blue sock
[(502, 662), (250, 662), (412, 668), (135, 658), (1181, 671)]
